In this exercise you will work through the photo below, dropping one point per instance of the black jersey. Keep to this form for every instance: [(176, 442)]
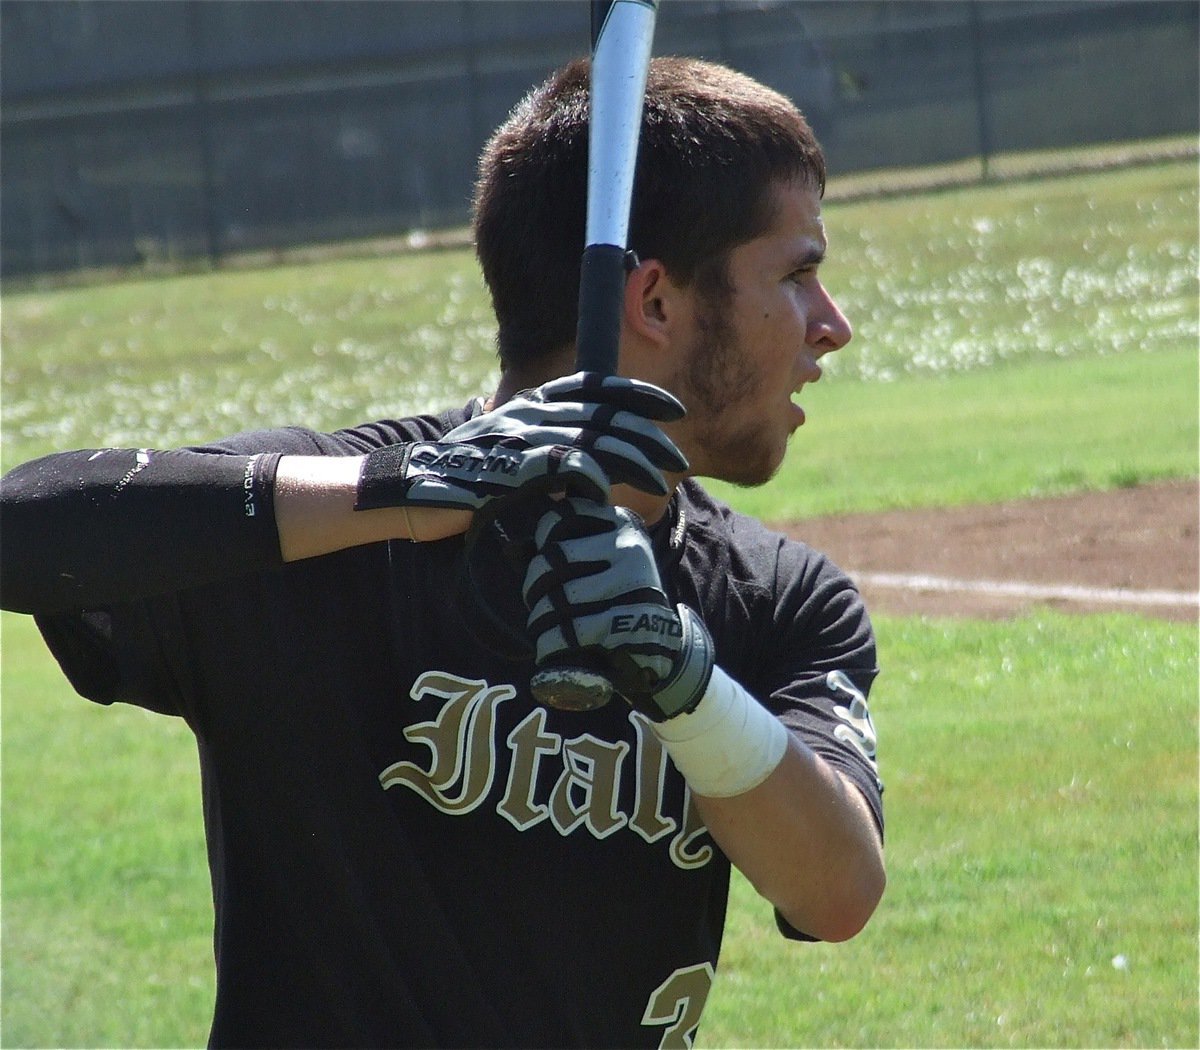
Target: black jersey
[(405, 848)]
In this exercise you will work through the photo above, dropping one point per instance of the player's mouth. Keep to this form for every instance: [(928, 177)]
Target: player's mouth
[(811, 376)]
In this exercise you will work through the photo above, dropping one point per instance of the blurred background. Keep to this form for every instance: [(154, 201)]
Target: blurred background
[(143, 133)]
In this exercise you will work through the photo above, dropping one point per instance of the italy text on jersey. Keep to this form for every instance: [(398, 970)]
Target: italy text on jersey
[(463, 741)]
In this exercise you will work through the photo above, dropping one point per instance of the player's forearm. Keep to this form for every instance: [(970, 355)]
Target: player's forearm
[(801, 833), (315, 498), (100, 526), (806, 839)]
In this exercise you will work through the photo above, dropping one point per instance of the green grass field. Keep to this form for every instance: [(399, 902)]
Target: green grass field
[(1041, 773), (1041, 799)]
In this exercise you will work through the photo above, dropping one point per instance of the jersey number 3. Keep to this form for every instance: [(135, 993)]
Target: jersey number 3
[(679, 1002)]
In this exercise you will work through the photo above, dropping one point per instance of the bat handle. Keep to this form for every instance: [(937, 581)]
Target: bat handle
[(570, 687), (602, 275)]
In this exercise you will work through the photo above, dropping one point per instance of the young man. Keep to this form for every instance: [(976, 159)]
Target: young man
[(407, 849)]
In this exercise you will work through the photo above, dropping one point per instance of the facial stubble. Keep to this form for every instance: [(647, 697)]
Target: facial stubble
[(716, 379)]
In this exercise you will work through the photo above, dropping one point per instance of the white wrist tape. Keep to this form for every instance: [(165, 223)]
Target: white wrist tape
[(729, 744)]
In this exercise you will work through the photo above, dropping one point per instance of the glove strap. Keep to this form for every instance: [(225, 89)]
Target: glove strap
[(729, 744), (685, 688), (382, 482)]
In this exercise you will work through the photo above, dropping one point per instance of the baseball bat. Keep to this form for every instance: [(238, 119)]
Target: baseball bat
[(622, 35)]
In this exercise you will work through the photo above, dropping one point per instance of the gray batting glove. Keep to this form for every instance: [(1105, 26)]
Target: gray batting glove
[(577, 435), (610, 418), (466, 477), (595, 598)]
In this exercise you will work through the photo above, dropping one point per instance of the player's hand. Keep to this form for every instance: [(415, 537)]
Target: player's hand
[(464, 476), (578, 436), (595, 598), (611, 418)]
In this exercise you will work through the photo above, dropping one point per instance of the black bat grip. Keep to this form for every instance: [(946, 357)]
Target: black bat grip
[(601, 301)]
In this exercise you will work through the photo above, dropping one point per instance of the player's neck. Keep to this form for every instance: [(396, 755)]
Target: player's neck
[(516, 378), (648, 508)]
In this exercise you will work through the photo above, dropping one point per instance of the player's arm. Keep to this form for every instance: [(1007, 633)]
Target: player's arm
[(577, 436), (105, 525), (93, 527), (315, 498), (100, 526), (97, 526), (806, 839), (796, 827)]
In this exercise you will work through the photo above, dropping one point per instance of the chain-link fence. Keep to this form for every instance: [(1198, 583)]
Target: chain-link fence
[(143, 132)]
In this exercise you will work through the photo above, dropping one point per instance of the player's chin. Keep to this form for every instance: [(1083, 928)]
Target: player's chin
[(753, 463)]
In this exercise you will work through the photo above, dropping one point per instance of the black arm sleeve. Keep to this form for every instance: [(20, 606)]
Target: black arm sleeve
[(79, 529)]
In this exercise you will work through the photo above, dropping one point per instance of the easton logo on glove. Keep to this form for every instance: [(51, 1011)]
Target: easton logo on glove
[(646, 623), (463, 476), (465, 458)]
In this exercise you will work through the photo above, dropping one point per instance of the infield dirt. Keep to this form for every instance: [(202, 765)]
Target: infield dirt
[(1138, 539)]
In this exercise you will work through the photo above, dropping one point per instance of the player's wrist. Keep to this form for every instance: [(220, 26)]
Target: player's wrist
[(728, 743), (383, 480), (428, 524), (684, 690)]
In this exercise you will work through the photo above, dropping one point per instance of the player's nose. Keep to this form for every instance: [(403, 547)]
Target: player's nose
[(828, 328)]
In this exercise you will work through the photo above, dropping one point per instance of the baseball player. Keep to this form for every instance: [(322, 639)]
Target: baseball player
[(406, 849)]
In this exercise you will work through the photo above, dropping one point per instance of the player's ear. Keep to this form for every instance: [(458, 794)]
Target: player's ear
[(652, 302)]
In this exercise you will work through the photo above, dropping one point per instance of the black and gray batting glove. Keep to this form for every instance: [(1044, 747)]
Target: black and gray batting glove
[(466, 477), (576, 435), (595, 598), (611, 418)]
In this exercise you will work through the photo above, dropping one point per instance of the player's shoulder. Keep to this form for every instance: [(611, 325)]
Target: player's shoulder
[(768, 597), (751, 557), (347, 441), (713, 524), (423, 427)]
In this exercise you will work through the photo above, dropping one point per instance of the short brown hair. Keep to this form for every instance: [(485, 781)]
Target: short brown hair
[(714, 144)]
